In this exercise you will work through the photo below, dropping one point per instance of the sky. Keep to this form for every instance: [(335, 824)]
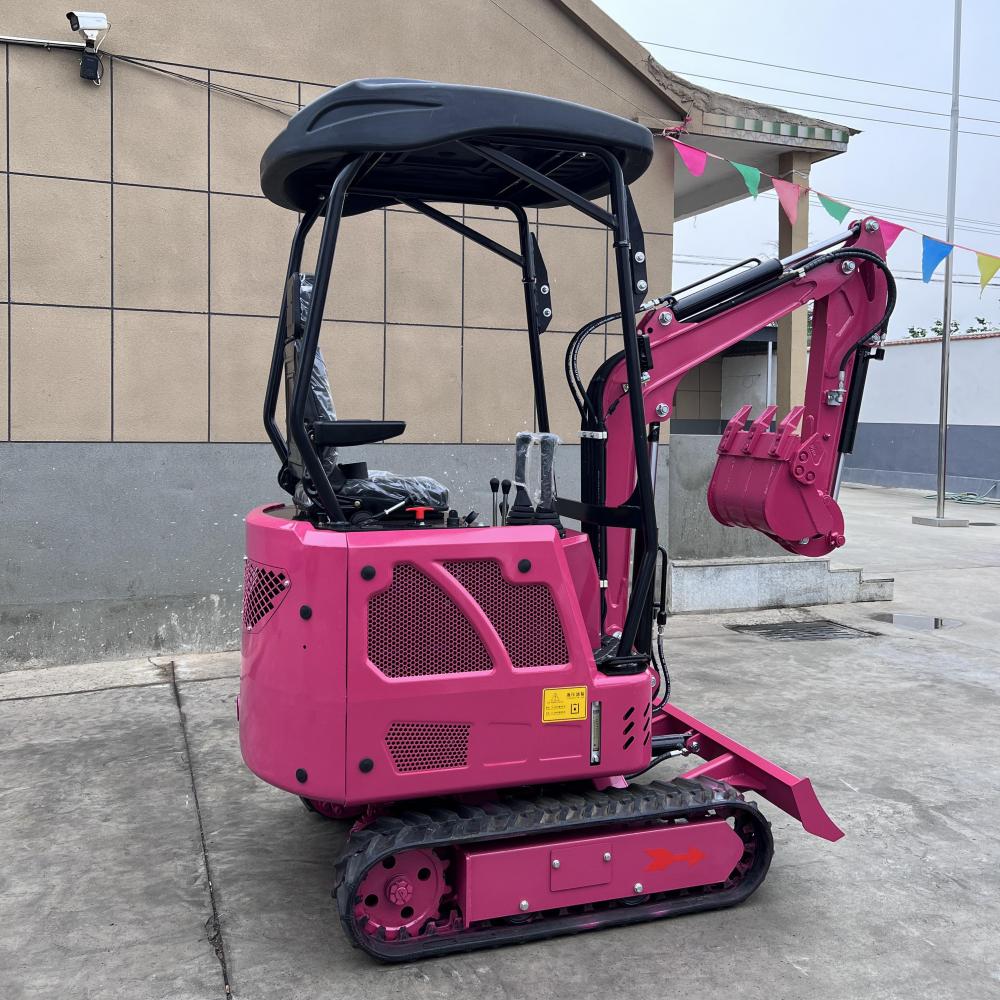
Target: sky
[(898, 41)]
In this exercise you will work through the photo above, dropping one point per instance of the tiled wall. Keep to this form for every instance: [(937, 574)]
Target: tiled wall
[(699, 394), (143, 274)]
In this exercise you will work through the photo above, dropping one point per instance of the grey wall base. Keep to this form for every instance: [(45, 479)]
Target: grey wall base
[(700, 585), (906, 455), (121, 629), (110, 551), (120, 550)]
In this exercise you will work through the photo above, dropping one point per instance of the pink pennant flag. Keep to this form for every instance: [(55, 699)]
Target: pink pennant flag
[(694, 159), (890, 232), (788, 194)]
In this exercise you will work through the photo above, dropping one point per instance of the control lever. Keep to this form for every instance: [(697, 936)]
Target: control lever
[(523, 512), (505, 502), (545, 512), (494, 489)]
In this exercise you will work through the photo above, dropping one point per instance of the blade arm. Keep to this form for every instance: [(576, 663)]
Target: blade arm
[(729, 761)]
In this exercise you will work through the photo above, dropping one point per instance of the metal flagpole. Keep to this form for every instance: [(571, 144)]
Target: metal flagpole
[(940, 520)]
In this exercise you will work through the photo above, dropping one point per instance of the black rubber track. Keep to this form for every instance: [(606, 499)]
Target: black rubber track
[(560, 811)]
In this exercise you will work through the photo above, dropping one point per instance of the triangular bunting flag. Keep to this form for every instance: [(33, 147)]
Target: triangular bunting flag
[(788, 194), (934, 252), (751, 176), (988, 267), (890, 232), (694, 159), (837, 209)]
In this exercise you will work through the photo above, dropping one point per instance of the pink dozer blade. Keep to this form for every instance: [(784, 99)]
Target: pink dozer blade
[(731, 762)]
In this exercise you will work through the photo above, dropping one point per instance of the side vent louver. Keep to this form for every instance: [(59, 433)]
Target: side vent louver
[(636, 726)]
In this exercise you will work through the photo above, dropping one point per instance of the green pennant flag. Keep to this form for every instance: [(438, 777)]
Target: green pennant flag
[(751, 176), (837, 209)]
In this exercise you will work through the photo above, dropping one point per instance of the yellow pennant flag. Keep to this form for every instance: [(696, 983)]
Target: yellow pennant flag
[(988, 267)]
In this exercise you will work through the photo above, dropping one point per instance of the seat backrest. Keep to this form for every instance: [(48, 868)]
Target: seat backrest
[(319, 402)]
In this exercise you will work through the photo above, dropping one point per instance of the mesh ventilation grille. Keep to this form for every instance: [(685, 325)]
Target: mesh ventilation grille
[(523, 614), (428, 746), (263, 590), (415, 629)]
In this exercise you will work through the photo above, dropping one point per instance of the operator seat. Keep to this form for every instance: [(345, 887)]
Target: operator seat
[(356, 487)]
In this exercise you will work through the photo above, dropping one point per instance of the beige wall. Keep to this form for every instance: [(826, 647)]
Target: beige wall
[(145, 268)]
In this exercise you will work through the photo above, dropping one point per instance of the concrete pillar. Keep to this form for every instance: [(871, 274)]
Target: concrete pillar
[(791, 377)]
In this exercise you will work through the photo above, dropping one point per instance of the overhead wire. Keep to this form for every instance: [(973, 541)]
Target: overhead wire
[(833, 97), (915, 217), (249, 96), (816, 72), (586, 72)]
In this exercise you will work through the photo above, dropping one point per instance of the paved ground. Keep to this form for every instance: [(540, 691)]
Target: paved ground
[(136, 849)]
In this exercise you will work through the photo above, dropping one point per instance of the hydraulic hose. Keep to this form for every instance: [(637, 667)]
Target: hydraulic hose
[(573, 380), (571, 361)]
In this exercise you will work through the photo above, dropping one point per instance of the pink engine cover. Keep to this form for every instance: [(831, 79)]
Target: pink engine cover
[(387, 665)]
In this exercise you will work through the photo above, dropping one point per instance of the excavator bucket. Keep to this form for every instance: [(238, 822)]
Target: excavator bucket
[(773, 481)]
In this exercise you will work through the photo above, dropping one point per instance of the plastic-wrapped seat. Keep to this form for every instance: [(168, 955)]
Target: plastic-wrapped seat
[(359, 488)]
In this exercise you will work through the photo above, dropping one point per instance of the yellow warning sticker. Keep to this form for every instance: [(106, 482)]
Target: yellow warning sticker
[(564, 704)]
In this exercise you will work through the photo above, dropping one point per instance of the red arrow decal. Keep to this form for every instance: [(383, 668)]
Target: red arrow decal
[(660, 858)]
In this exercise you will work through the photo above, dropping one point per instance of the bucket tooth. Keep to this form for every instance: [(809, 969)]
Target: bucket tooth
[(733, 428), (760, 426), (786, 430)]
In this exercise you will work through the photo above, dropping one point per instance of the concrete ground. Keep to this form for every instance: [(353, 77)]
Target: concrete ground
[(140, 859)]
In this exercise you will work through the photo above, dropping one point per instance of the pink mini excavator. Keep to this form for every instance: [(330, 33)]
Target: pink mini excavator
[(481, 698)]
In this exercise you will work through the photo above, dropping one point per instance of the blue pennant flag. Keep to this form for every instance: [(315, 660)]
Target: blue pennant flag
[(934, 252)]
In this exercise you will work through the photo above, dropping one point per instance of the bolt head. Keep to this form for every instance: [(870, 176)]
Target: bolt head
[(637, 888), (664, 318), (641, 285), (547, 312), (523, 905), (662, 410), (694, 746), (848, 267), (640, 257), (607, 855), (544, 289), (399, 891), (555, 862), (871, 226)]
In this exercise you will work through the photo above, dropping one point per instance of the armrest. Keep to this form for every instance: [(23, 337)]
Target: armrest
[(342, 433)]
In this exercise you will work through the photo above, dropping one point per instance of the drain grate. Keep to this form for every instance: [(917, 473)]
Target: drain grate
[(811, 630)]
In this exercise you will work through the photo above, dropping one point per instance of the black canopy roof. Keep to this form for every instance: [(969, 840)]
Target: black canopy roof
[(420, 128)]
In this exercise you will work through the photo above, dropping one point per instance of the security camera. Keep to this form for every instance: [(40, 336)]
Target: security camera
[(88, 23)]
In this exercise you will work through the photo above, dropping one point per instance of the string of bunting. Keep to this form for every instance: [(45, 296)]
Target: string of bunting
[(789, 193)]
